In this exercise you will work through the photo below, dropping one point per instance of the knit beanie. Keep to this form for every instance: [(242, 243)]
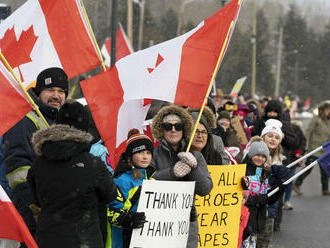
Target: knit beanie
[(224, 115), (137, 142), (52, 77), (74, 114), (202, 121), (272, 126), (258, 148)]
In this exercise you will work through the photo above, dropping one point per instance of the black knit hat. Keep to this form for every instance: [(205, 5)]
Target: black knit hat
[(273, 105), (73, 114), (137, 142), (52, 77)]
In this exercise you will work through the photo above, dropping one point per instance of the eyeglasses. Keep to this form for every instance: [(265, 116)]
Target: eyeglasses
[(201, 133), (169, 126)]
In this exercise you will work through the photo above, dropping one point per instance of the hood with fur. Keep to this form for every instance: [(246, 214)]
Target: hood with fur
[(184, 115), (60, 141)]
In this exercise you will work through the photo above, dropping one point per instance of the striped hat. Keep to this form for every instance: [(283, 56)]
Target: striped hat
[(137, 142)]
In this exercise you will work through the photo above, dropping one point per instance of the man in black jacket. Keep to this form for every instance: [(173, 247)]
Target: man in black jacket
[(50, 92)]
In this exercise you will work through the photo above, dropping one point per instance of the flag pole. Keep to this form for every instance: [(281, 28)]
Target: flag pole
[(93, 36), (72, 91), (210, 84), (35, 106), (293, 178)]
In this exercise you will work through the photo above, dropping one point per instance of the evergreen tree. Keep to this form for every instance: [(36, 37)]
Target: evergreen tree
[(236, 63), (295, 48), (168, 25), (264, 77)]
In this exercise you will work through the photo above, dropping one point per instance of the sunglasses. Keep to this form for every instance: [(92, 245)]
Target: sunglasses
[(169, 126)]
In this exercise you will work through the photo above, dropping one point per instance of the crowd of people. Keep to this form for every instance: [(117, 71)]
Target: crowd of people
[(60, 180)]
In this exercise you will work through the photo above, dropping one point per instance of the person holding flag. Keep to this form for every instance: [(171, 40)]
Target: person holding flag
[(51, 89), (317, 133), (172, 126)]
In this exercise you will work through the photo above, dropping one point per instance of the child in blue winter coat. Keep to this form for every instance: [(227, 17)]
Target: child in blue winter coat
[(130, 172)]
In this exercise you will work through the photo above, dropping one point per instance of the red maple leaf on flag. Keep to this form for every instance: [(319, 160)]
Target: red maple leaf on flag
[(17, 52)]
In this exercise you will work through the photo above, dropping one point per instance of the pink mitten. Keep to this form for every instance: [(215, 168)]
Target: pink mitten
[(181, 169)]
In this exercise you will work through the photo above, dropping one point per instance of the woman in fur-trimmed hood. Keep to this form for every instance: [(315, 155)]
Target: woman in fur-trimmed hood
[(172, 126), (68, 183)]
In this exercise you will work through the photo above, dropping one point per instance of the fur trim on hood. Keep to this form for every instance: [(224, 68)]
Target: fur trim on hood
[(184, 115), (208, 114), (58, 132)]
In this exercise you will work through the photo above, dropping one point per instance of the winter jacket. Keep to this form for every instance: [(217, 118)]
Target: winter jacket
[(130, 189), (258, 200), (229, 139), (317, 133), (220, 150), (100, 150), (18, 152), (3, 180), (163, 161), (68, 183)]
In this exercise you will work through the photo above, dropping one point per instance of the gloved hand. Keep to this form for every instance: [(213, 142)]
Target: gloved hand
[(188, 158), (263, 199), (279, 174), (245, 182), (181, 169), (126, 219), (134, 220)]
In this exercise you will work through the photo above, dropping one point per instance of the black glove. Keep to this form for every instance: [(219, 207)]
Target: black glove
[(279, 174), (245, 181), (262, 199), (134, 219), (126, 219)]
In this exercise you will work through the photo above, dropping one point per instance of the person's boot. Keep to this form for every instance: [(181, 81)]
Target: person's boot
[(296, 189), (326, 192)]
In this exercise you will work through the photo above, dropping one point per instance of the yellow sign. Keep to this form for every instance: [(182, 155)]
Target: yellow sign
[(219, 212)]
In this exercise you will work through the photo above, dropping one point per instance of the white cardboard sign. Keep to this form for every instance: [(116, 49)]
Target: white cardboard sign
[(167, 205)]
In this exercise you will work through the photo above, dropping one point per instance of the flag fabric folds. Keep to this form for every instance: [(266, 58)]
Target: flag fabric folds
[(178, 71), (47, 33), (14, 105), (123, 47), (12, 225), (326, 147), (324, 162)]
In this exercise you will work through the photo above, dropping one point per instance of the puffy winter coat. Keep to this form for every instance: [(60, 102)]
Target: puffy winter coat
[(130, 189), (163, 161), (317, 133), (68, 183)]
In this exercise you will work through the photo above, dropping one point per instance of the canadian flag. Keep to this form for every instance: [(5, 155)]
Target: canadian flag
[(47, 33), (14, 105), (123, 47), (12, 226), (177, 71)]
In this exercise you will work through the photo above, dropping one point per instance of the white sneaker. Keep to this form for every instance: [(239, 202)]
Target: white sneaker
[(287, 206)]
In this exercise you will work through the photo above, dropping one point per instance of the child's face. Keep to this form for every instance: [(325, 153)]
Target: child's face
[(258, 160), (142, 158), (272, 140)]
